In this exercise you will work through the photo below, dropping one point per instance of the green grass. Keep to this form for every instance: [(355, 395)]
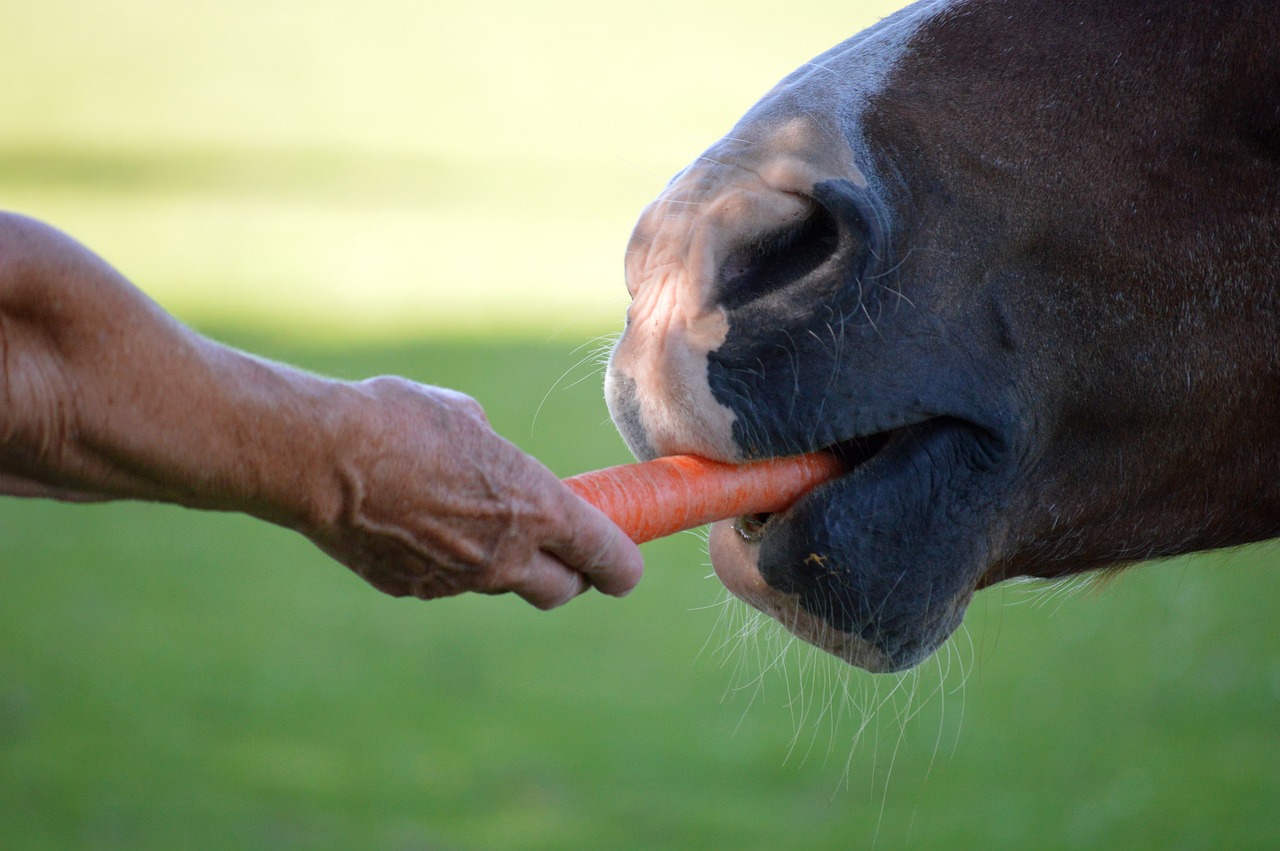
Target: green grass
[(173, 679), (444, 191)]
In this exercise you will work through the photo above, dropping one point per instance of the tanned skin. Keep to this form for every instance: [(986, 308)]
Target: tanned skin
[(103, 395)]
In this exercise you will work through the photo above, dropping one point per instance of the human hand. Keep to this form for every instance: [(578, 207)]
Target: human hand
[(432, 503), (109, 397)]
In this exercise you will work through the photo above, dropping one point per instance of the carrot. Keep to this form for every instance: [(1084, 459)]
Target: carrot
[(656, 498)]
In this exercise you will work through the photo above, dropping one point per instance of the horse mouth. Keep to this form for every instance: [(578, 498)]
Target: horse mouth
[(853, 454), (871, 566)]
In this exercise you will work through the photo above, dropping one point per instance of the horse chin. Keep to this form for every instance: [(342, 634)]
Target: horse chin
[(735, 558)]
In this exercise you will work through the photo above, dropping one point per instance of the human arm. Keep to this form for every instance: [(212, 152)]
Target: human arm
[(104, 395)]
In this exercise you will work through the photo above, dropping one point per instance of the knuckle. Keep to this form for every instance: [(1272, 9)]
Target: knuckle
[(546, 604), (471, 408), (384, 383)]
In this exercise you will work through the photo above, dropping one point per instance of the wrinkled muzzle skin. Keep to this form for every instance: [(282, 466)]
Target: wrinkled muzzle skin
[(1041, 331)]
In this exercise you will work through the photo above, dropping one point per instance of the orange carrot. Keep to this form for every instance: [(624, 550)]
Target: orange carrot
[(677, 492)]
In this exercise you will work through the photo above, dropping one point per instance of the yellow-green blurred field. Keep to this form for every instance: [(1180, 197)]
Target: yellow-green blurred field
[(381, 167), (444, 190)]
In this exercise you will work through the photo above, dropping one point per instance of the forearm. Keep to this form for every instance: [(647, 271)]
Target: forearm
[(105, 395)]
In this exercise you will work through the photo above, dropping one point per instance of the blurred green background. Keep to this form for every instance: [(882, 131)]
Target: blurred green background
[(443, 190)]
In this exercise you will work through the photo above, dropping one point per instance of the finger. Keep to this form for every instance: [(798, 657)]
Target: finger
[(547, 583), (592, 545)]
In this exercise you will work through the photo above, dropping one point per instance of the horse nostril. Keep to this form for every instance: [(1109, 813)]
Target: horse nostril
[(772, 261)]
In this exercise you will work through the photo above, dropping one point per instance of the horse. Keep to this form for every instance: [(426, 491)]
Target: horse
[(1015, 262)]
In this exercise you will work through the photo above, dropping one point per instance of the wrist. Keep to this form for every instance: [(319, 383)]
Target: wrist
[(302, 476)]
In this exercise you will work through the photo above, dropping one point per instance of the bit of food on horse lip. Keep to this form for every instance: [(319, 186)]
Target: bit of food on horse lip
[(750, 527)]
